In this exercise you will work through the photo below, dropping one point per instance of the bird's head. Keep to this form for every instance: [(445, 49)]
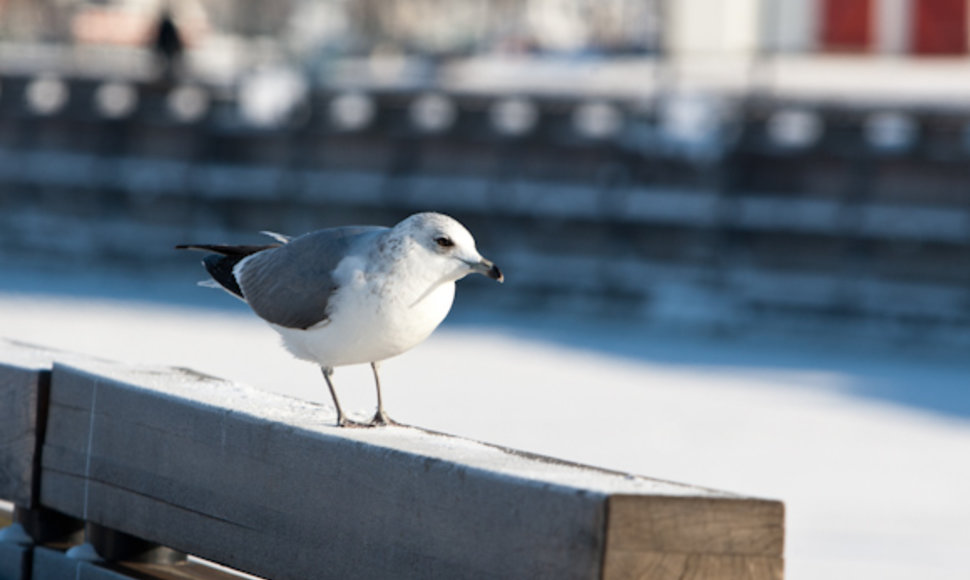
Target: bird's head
[(447, 246)]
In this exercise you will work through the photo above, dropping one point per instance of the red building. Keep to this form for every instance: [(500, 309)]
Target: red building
[(933, 27)]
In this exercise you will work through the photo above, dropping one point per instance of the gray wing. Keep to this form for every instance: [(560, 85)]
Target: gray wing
[(291, 285)]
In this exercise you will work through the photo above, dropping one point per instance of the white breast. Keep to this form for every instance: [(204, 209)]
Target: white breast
[(372, 318)]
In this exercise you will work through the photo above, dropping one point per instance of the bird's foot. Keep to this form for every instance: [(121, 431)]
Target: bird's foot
[(345, 422), (381, 419)]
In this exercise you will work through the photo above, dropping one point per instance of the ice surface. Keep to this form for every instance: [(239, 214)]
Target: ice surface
[(867, 445)]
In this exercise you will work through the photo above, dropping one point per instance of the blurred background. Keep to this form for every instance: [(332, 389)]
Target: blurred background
[(735, 232), (724, 164)]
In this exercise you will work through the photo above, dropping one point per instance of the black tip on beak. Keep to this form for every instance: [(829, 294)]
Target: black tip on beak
[(495, 274), (487, 268)]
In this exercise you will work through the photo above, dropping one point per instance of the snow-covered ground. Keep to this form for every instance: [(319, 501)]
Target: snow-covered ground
[(869, 446)]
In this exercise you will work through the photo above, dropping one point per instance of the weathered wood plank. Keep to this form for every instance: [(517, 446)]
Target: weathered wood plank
[(265, 484), (19, 400), (702, 556), (704, 525), (24, 389), (211, 480), (676, 537), (24, 378), (674, 566)]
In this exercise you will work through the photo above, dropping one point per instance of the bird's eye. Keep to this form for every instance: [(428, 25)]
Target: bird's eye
[(444, 241)]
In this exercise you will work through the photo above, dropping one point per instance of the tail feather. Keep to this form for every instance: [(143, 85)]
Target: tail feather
[(223, 260)]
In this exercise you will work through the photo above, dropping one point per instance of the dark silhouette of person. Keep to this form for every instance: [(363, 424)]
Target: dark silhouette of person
[(168, 47)]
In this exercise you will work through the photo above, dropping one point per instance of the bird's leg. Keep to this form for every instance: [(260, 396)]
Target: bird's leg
[(380, 417), (342, 420)]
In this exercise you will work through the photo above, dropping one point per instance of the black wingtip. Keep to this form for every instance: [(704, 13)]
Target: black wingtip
[(222, 260), (227, 250), (221, 270)]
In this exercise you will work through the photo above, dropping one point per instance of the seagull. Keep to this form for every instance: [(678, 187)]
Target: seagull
[(354, 294)]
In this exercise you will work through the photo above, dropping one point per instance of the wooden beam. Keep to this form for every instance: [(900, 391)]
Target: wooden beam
[(693, 538), (267, 485)]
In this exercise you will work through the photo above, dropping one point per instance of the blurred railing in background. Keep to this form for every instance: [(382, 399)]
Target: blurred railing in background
[(714, 210), (732, 165)]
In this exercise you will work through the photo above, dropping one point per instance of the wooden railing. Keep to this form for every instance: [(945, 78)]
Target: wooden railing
[(119, 472)]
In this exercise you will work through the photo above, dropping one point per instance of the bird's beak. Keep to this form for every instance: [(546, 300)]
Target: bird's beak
[(487, 268)]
